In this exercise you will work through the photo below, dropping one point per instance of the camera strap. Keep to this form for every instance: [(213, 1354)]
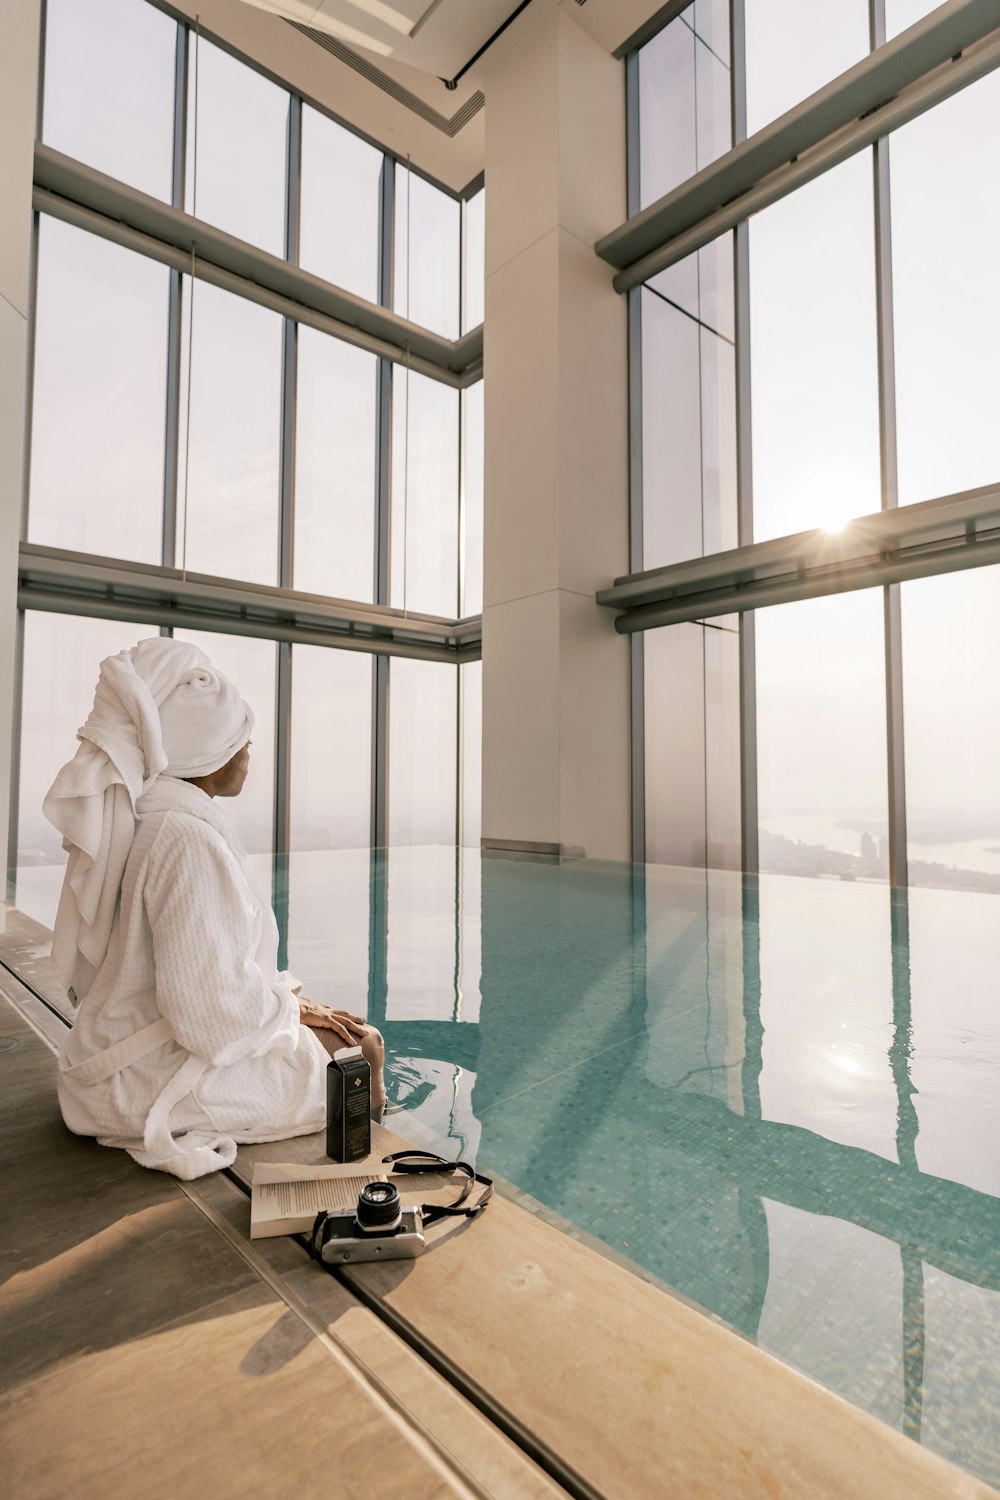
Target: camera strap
[(416, 1162)]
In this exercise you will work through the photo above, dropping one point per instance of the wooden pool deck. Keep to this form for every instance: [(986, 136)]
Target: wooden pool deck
[(149, 1348)]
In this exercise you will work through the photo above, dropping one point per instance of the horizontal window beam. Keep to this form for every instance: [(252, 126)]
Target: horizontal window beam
[(945, 52), (77, 194), (77, 583), (894, 546)]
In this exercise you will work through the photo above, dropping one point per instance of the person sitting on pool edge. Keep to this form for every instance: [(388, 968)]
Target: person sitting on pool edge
[(188, 1040)]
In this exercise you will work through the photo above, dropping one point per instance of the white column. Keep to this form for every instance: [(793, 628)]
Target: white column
[(555, 674), (19, 25)]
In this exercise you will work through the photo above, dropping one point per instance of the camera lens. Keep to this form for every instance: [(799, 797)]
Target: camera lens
[(378, 1206)]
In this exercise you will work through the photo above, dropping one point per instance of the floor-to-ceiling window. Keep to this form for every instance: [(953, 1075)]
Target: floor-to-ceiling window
[(841, 367), (183, 424), (829, 358)]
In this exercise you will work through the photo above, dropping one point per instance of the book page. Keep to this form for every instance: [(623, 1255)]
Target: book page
[(280, 1199), (287, 1196)]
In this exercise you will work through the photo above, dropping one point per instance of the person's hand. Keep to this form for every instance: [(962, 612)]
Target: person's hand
[(347, 1026)]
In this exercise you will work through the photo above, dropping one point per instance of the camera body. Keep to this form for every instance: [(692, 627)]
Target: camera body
[(345, 1242), (380, 1229)]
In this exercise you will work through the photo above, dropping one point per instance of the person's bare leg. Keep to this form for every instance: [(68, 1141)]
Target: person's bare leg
[(372, 1048)]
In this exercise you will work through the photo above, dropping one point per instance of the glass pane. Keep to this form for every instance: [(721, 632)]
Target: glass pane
[(331, 748), (718, 443), (794, 49), (723, 833), (946, 296), (426, 267), (471, 675), (339, 210), (821, 747), (951, 700), (714, 125), (62, 661), (335, 468), (237, 147), (424, 562), (671, 434), (814, 366), (674, 679), (235, 448), (108, 97), (473, 259), (688, 436), (685, 113), (251, 665), (423, 707), (99, 409), (710, 19), (692, 746), (330, 957), (667, 148), (472, 499)]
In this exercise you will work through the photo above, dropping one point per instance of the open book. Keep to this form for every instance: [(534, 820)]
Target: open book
[(287, 1196)]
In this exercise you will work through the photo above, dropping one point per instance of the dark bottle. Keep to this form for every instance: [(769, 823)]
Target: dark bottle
[(348, 1106)]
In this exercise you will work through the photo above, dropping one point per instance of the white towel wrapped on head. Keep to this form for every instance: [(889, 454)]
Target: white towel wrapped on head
[(159, 707)]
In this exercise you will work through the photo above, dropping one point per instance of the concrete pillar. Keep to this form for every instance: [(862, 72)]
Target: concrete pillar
[(555, 674), (19, 26)]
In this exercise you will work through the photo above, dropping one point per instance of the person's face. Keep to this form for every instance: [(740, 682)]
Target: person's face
[(229, 778)]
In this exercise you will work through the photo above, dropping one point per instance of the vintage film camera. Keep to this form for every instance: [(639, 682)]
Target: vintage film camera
[(380, 1227)]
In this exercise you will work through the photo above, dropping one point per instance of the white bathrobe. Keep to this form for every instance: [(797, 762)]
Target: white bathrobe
[(189, 1040)]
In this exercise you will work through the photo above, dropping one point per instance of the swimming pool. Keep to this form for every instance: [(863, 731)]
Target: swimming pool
[(779, 1096)]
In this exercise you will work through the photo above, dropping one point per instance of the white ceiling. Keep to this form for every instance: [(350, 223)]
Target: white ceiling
[(436, 36)]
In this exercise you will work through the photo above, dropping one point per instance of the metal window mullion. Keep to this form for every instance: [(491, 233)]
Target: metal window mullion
[(380, 745), (286, 502), (171, 441), (175, 306), (637, 666), (459, 675), (892, 613), (892, 607), (703, 643), (459, 766), (749, 833), (282, 783), (290, 343), (637, 678), (378, 936), (383, 480), (29, 373)]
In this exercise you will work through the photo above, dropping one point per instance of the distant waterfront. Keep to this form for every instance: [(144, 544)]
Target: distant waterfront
[(823, 847)]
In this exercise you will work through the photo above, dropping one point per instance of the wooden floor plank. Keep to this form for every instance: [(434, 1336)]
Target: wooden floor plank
[(635, 1391), (140, 1353)]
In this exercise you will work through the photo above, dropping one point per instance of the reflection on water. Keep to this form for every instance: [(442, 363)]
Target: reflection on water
[(779, 1096)]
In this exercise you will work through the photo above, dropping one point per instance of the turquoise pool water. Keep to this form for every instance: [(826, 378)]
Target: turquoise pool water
[(778, 1096)]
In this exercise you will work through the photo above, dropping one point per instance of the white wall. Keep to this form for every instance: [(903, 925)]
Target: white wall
[(19, 20), (555, 673)]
